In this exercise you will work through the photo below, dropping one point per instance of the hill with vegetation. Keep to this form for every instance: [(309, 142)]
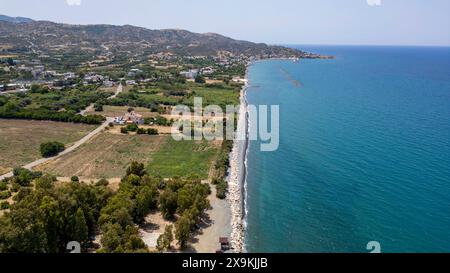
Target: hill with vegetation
[(47, 37)]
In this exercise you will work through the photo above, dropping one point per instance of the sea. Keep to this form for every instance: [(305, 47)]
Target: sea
[(364, 152)]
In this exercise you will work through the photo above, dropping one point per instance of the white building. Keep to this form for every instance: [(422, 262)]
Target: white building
[(191, 74)]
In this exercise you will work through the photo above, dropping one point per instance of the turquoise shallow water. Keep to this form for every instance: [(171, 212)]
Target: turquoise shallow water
[(364, 152)]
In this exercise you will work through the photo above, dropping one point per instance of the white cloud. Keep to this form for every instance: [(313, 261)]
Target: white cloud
[(73, 2), (374, 2)]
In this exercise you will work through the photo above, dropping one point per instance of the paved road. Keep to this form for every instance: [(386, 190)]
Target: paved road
[(74, 146)]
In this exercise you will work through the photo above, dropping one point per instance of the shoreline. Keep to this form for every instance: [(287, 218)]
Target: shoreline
[(238, 173)]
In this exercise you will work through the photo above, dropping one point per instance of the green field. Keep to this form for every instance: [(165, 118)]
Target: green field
[(215, 96), (183, 159)]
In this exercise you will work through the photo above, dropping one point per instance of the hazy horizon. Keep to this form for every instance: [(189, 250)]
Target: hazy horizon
[(287, 22)]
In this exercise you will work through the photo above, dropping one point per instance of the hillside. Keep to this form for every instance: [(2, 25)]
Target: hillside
[(15, 19), (47, 37)]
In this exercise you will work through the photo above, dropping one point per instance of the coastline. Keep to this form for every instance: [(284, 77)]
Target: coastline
[(237, 174)]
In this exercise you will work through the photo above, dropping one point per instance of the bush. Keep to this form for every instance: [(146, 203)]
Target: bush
[(75, 179), (102, 182), (3, 186), (50, 149), (200, 79), (141, 131), (123, 130), (221, 188), (98, 107), (23, 177), (132, 127), (5, 195), (4, 205), (15, 187), (152, 131)]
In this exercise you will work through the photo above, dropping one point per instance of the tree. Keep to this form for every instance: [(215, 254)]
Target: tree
[(136, 168), (145, 201), (98, 107), (23, 177), (75, 179), (200, 79), (183, 231), (11, 62), (50, 149), (111, 238), (168, 232), (165, 240), (152, 131), (80, 230), (168, 203)]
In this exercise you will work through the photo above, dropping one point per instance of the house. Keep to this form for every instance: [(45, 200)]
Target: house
[(130, 118), (69, 76), (133, 72), (108, 83), (131, 82), (191, 74), (207, 71), (12, 86)]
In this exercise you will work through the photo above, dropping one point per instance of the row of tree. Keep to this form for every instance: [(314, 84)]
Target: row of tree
[(11, 111)]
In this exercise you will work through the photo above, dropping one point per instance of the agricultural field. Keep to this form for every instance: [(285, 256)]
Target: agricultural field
[(105, 156), (220, 96), (20, 139), (184, 159)]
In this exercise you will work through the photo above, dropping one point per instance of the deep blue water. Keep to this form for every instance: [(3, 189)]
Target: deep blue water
[(364, 152)]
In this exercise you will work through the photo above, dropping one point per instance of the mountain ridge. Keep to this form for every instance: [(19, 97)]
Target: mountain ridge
[(16, 20), (33, 35)]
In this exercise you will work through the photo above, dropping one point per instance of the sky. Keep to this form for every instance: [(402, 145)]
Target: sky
[(335, 22)]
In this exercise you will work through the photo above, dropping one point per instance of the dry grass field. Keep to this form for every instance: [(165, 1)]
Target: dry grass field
[(20, 139), (105, 156)]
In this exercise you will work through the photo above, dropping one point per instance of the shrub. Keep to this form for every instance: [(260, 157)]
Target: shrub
[(4, 205), (3, 186), (124, 130), (50, 149), (23, 177), (15, 187), (75, 179), (141, 131), (152, 131), (5, 195), (221, 188), (200, 79), (132, 127), (102, 182)]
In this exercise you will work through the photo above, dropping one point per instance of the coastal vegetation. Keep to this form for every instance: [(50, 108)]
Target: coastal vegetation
[(46, 214)]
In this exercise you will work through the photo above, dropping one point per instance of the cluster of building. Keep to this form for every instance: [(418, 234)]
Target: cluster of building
[(14, 87), (193, 73), (129, 118), (52, 78)]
